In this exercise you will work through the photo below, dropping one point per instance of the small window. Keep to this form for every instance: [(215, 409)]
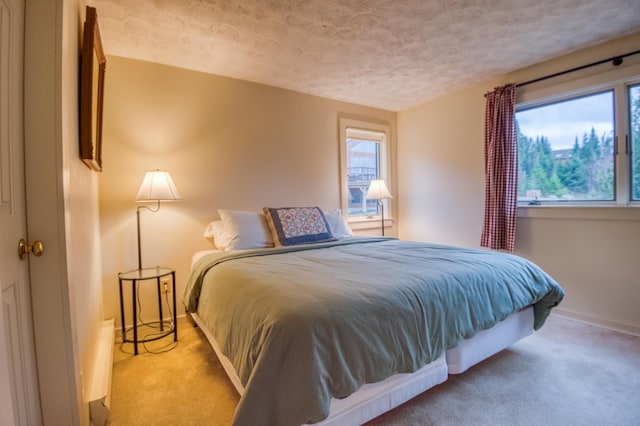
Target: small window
[(566, 150), (363, 166), (364, 157)]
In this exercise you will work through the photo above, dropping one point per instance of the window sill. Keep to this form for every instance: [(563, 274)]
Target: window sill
[(591, 212), (363, 222)]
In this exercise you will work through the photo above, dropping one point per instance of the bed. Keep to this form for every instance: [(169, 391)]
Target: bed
[(340, 331)]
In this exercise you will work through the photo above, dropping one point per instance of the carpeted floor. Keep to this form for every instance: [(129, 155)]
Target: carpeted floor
[(568, 373)]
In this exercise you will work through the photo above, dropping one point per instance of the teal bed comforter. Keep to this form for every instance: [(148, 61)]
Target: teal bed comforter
[(304, 324)]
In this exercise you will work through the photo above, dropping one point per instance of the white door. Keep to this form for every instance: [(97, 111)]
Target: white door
[(19, 401)]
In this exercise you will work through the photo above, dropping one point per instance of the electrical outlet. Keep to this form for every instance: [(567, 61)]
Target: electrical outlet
[(165, 285)]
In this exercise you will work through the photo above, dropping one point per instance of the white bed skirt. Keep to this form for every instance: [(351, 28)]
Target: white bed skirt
[(374, 399), (489, 342)]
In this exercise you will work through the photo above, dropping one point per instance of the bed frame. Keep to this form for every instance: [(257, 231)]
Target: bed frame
[(372, 400)]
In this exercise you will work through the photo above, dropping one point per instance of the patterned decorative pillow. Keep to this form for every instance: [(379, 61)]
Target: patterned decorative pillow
[(297, 225)]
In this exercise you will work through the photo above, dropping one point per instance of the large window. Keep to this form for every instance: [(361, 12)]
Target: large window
[(565, 150), (364, 157), (580, 149), (634, 119)]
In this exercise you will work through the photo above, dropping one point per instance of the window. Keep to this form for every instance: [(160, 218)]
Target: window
[(364, 157), (565, 150), (634, 119), (580, 148), (363, 165)]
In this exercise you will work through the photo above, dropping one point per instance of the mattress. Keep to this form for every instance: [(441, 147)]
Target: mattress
[(200, 254), (486, 343)]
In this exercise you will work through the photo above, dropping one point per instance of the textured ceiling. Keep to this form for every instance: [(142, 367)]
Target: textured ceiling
[(390, 54)]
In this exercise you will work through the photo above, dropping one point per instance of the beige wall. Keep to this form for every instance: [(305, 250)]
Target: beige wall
[(227, 144), (590, 252), (81, 215), (441, 169)]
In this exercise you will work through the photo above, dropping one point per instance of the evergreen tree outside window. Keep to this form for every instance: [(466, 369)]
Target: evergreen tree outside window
[(634, 124), (566, 150)]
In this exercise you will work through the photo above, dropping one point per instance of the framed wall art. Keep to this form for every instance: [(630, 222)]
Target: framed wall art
[(92, 73)]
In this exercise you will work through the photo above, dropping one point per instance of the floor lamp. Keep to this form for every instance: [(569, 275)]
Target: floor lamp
[(378, 191), (156, 186)]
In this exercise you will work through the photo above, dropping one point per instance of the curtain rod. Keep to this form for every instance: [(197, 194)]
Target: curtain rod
[(616, 60)]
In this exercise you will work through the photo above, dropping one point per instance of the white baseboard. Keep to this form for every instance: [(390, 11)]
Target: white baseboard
[(631, 329), (99, 394)]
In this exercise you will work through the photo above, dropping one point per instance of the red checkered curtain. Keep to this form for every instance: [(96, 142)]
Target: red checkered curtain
[(501, 169)]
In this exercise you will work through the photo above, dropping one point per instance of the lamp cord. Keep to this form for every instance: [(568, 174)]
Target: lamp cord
[(169, 322)]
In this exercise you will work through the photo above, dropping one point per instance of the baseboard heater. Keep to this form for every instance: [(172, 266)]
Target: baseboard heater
[(99, 395)]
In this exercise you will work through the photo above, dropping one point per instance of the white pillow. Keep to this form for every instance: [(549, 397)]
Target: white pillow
[(339, 226), (245, 230), (216, 232)]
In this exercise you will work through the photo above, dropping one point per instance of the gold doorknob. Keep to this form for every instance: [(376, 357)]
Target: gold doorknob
[(23, 248)]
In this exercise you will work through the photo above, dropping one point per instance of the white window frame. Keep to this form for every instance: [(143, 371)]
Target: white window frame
[(375, 132), (617, 80)]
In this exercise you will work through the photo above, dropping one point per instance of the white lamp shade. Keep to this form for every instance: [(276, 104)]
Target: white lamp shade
[(378, 190), (157, 186)]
